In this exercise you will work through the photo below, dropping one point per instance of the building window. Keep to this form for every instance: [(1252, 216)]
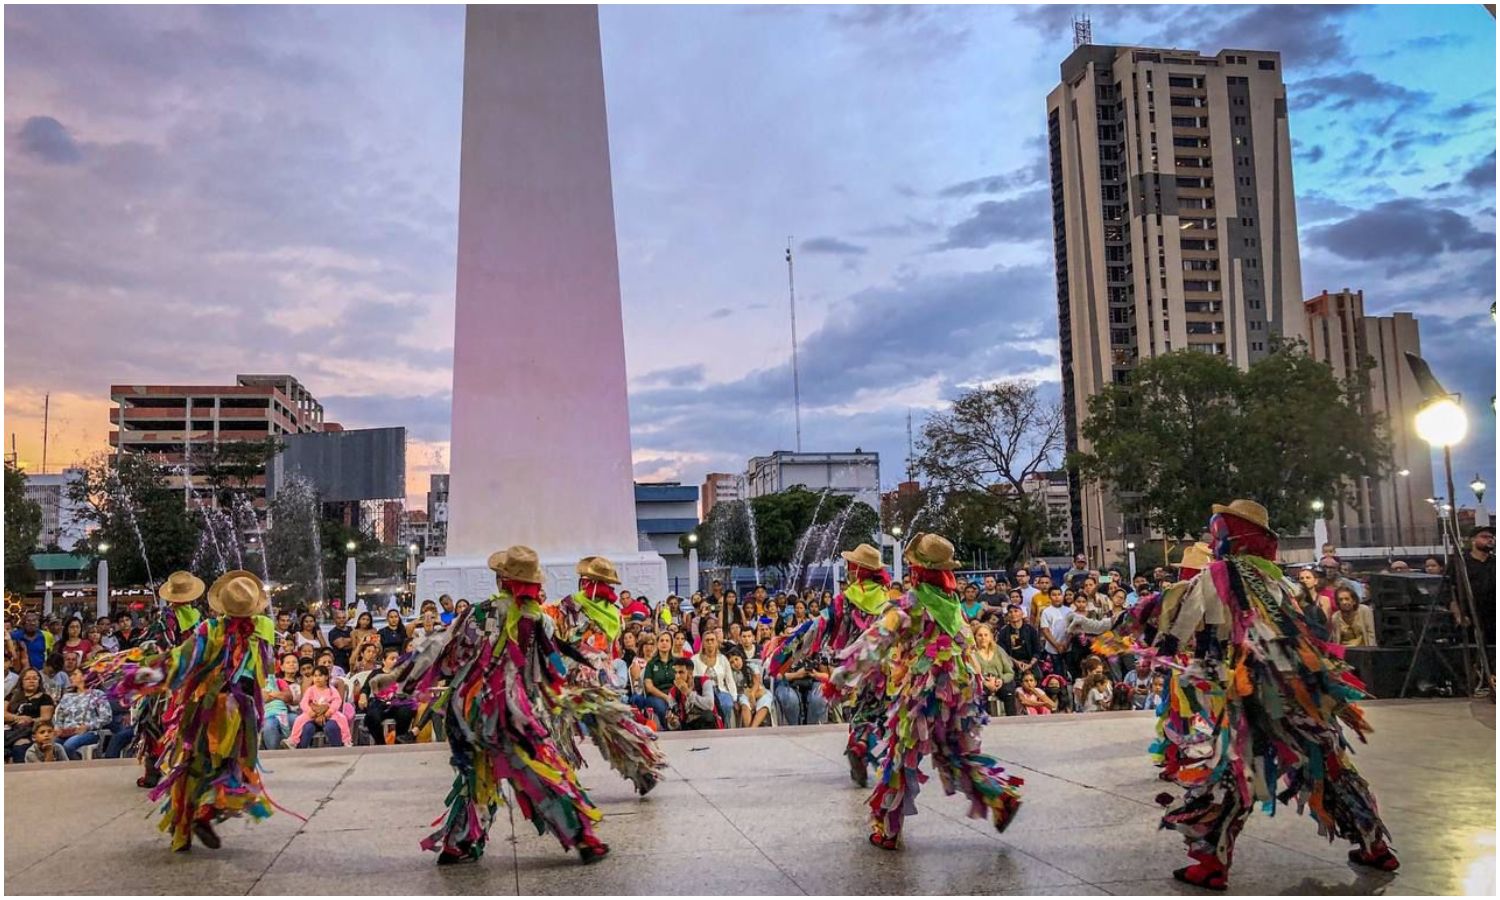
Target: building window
[(1267, 65)]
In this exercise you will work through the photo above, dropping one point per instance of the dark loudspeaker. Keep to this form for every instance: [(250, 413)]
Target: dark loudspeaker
[(1382, 669), (1401, 604)]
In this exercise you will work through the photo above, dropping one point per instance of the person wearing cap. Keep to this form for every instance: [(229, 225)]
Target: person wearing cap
[(1255, 717), (923, 648), (216, 675), (1480, 564), (155, 713), (498, 674), (863, 599), (588, 623)]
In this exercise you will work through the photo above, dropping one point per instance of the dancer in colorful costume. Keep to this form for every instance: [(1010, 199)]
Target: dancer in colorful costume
[(154, 714), (215, 676), (504, 673), (923, 647), (588, 624), (853, 611), (1254, 718)]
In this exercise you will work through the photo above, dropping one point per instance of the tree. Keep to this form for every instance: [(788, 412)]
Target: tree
[(1189, 430), (793, 529), (149, 531), (23, 526), (983, 450), (230, 467)]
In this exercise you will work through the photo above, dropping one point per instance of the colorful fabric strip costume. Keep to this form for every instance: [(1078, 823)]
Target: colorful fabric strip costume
[(504, 672), (924, 648), (155, 715), (852, 612), (1255, 716), (587, 624)]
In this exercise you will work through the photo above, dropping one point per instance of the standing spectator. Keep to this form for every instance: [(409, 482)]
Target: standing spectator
[(632, 609), (659, 677), (1040, 600), (393, 635), (320, 712), (109, 641), (26, 706), (428, 623), (1431, 566), (1317, 590), (1032, 699), (971, 604), (364, 633), (1023, 584), (283, 626), (1354, 624), (81, 713), (43, 749), (127, 635), (1139, 588), (341, 639), (720, 673), (309, 634), (1480, 564), (1053, 625), (446, 612), (33, 640), (1080, 571)]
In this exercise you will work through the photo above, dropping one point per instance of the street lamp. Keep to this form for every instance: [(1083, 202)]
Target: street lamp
[(1320, 527), (1441, 422), (1479, 487), (349, 575), (692, 540), (101, 587), (1130, 548), (47, 600)]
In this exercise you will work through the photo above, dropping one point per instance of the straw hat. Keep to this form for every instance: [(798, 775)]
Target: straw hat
[(1248, 510), (238, 594), (518, 563), (599, 569), (931, 551), (1196, 557), (181, 587), (864, 556)]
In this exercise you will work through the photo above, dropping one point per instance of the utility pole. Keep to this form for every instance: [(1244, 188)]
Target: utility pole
[(46, 420), (791, 289), (910, 456)]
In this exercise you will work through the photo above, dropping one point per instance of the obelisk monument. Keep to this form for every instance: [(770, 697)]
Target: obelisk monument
[(541, 426)]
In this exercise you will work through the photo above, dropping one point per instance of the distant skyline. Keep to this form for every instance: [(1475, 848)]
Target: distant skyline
[(193, 192)]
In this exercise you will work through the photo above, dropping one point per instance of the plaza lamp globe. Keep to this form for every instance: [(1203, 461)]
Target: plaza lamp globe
[(1478, 487), (1441, 422), (1317, 506), (692, 537), (351, 546)]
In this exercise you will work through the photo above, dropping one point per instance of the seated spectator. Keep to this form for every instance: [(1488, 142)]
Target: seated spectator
[(679, 644), (1092, 691), (754, 702), (320, 708), (446, 611), (693, 702), (1032, 699), (1354, 623), (383, 703), (632, 609), (74, 639), (1158, 692), (427, 623), (57, 685), (53, 679), (1021, 641), (996, 672), (81, 714), (1138, 680), (284, 627), (325, 659), (26, 706), (720, 673), (42, 748), (393, 635), (283, 690), (659, 676), (798, 695), (1056, 687)]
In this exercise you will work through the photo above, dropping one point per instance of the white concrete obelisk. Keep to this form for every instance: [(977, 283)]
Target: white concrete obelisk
[(541, 426)]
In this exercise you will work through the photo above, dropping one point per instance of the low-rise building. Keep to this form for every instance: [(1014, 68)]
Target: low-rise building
[(665, 512), (856, 474)]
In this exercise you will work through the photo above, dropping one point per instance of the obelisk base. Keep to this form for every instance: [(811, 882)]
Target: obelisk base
[(470, 577)]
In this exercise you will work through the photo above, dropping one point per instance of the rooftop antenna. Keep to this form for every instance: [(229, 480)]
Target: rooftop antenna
[(46, 418), (1083, 31), (791, 289), (910, 468)]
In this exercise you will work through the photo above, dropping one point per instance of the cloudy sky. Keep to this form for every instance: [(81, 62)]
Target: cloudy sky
[(193, 192)]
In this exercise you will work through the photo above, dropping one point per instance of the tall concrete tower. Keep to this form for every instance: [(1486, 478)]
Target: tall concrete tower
[(541, 426)]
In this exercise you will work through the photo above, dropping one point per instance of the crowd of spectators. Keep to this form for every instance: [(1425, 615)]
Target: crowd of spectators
[(683, 663)]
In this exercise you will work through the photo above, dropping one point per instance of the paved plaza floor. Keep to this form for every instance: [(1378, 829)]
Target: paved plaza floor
[(770, 812)]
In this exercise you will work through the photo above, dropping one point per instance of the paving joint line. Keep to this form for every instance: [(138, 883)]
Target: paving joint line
[(302, 827), (758, 849)]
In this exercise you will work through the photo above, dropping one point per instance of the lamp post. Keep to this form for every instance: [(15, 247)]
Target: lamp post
[(1130, 548), (1478, 487), (893, 540), (101, 588), (47, 600), (1441, 422), (1320, 528), (1401, 490), (411, 569), (349, 575), (692, 561)]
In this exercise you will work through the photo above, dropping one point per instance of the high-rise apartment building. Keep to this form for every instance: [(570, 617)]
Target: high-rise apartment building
[(719, 487), (174, 424), (1174, 225), (1392, 510)]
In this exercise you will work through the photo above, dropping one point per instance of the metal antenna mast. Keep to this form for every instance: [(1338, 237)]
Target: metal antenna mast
[(791, 289), (1083, 31), (46, 418), (910, 469)]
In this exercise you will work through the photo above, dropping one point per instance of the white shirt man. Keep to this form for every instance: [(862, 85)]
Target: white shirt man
[(1054, 621), (1023, 582)]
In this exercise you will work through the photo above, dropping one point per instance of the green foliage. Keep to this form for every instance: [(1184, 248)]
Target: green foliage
[(23, 526), (230, 467), (1189, 430), (144, 521)]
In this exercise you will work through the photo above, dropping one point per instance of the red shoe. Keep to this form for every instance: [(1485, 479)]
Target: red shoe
[(592, 850), (1378, 857), (1209, 874), (884, 842)]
